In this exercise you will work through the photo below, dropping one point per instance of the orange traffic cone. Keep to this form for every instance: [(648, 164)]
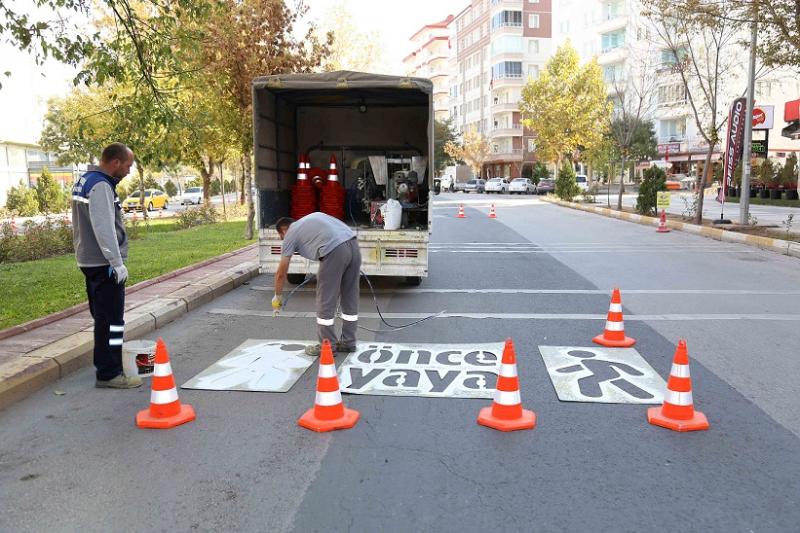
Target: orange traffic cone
[(614, 334), (662, 224), (165, 411), (328, 413), (492, 214), (678, 412), (461, 211), (506, 412)]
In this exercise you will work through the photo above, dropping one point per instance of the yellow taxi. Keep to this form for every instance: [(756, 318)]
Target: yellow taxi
[(153, 199)]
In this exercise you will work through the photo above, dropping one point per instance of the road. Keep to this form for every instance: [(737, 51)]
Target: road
[(540, 274)]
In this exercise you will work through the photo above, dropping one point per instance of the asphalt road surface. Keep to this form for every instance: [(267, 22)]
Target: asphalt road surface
[(540, 274)]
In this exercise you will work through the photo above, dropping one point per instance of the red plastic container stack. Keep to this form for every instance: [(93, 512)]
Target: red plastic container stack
[(304, 197), (332, 194)]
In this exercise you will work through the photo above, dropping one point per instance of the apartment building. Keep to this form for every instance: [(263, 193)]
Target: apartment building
[(497, 45), (630, 52), (430, 58), (22, 163)]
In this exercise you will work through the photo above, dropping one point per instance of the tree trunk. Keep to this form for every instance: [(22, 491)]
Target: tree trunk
[(222, 189), (248, 182), (700, 185), (140, 169), (207, 174), (622, 183), (242, 181)]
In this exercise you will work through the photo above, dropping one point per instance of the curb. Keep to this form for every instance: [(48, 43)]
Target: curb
[(778, 246), (75, 309), (28, 373)]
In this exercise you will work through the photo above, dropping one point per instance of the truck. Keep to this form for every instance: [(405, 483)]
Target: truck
[(380, 130)]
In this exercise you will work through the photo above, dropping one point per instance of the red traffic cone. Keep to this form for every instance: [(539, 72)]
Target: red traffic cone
[(678, 412), (506, 412), (662, 223), (165, 411), (329, 412), (492, 214), (614, 334), (461, 211)]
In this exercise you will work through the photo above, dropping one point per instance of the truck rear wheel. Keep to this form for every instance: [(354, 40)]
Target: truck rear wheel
[(413, 280), (296, 279)]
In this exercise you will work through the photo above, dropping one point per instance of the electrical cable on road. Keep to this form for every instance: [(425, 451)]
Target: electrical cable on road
[(377, 307)]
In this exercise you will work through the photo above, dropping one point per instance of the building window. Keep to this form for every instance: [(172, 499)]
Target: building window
[(533, 71), (674, 93), (507, 69), (507, 44), (533, 1), (612, 73), (764, 89), (533, 20), (613, 40), (533, 46), (507, 18), (612, 10), (531, 145), (672, 130)]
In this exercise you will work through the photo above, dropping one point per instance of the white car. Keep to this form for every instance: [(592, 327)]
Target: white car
[(582, 181), (521, 186), (447, 183), (499, 185), (192, 196)]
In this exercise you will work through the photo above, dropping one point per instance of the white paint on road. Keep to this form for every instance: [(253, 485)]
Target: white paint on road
[(725, 292)]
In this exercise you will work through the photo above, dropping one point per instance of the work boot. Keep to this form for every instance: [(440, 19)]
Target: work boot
[(120, 382), (341, 347), (313, 350)]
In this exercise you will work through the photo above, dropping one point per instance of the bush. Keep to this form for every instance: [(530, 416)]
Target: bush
[(655, 179), (215, 188), (566, 186), (170, 188), (198, 216), (51, 196), (39, 241), (590, 194), (22, 201)]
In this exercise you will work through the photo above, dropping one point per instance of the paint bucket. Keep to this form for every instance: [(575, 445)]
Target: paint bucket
[(138, 358)]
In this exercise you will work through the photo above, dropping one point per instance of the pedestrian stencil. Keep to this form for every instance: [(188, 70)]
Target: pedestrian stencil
[(603, 375)]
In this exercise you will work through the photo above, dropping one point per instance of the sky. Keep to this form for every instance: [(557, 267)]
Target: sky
[(24, 95)]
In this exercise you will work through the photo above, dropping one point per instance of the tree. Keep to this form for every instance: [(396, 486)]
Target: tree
[(51, 196), (705, 52), (351, 48), (443, 133), (22, 201), (655, 179), (151, 183), (170, 188), (539, 172), (566, 107), (566, 186), (474, 150), (245, 39)]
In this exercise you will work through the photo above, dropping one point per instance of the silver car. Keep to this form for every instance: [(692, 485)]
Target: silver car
[(477, 185), (521, 186)]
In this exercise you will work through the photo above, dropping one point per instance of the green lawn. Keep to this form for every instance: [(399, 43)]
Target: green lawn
[(37, 288), (766, 201)]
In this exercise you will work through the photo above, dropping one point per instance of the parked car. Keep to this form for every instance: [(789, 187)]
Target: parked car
[(477, 185), (192, 195), (582, 181), (545, 186), (153, 199), (521, 186), (446, 183), (498, 185)]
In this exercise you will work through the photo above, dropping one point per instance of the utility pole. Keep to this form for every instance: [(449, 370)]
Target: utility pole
[(744, 191)]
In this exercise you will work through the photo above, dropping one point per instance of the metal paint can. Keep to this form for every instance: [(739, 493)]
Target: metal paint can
[(138, 357)]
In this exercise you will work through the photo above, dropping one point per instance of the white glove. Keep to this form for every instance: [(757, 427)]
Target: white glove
[(276, 304), (121, 273)]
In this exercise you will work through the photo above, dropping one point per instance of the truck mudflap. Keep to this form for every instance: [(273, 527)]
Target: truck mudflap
[(383, 253)]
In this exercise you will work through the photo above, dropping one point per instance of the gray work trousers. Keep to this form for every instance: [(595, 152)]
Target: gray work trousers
[(337, 283)]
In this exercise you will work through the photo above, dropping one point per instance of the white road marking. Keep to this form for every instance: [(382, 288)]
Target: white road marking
[(725, 292)]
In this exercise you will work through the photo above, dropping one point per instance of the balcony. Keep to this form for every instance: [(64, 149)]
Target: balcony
[(505, 155), (611, 23), (498, 57), (613, 55), (500, 83), (514, 131), (505, 107)]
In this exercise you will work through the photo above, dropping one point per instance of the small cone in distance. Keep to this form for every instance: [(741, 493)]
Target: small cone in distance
[(461, 211), (662, 223), (506, 412), (165, 411), (678, 412), (492, 214), (614, 334), (329, 412)]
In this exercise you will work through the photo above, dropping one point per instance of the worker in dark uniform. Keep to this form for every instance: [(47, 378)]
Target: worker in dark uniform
[(101, 249), (323, 238)]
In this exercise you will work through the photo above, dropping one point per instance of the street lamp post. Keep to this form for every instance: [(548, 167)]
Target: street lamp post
[(744, 192)]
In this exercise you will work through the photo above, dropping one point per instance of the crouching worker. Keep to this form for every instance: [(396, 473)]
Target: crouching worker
[(320, 237)]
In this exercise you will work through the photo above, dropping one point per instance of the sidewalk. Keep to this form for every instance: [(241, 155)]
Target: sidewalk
[(44, 350)]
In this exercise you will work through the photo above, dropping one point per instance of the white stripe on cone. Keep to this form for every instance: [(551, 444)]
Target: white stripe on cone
[(615, 308), (679, 371), (327, 371), (327, 399), (507, 398), (508, 371), (678, 398), (162, 370), (614, 326), (163, 397)]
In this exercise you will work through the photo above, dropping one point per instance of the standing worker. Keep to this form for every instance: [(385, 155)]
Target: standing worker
[(101, 248), (320, 237)]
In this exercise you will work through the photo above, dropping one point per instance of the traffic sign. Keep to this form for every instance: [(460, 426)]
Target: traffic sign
[(663, 199)]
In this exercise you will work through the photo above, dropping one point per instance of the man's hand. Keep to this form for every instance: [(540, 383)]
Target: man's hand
[(276, 304), (121, 273)]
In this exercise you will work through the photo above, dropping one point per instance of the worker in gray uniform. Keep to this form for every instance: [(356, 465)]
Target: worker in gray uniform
[(323, 238), (101, 248)]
